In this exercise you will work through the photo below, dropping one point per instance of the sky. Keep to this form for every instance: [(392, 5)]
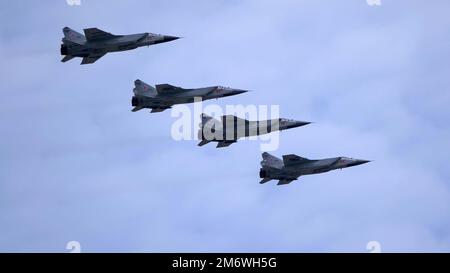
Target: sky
[(77, 165)]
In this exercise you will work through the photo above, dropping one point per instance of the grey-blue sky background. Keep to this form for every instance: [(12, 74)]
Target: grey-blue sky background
[(76, 164)]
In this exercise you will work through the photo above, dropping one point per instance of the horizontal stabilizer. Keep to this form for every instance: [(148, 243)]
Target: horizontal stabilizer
[(93, 34), (285, 181), (265, 180), (137, 108)]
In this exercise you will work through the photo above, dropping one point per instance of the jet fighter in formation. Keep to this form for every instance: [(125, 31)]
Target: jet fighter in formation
[(95, 43), (229, 129), (293, 166), (163, 96)]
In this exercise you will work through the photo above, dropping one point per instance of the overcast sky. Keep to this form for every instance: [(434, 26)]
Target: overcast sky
[(77, 164)]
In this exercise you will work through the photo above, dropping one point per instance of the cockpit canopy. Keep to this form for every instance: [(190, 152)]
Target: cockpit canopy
[(346, 159)]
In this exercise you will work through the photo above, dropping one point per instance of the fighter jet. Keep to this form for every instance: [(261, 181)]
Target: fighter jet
[(163, 96), (231, 128), (95, 43), (293, 166)]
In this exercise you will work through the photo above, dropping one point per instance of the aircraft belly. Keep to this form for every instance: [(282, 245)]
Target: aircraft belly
[(116, 48), (319, 170), (303, 170)]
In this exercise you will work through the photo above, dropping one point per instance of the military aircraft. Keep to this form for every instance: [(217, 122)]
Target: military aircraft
[(163, 96), (293, 166), (95, 43), (231, 128)]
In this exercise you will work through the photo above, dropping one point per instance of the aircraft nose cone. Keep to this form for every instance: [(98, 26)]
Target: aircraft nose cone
[(168, 38), (359, 162), (238, 91), (302, 123), (293, 124)]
